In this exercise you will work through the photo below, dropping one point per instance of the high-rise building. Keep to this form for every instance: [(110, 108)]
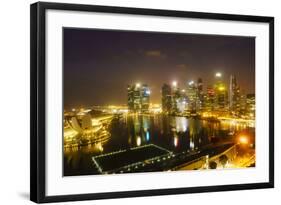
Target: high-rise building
[(200, 93), (176, 95), (192, 95), (210, 99), (174, 100), (138, 97), (221, 99), (250, 106), (234, 95), (166, 98), (243, 104), (182, 103)]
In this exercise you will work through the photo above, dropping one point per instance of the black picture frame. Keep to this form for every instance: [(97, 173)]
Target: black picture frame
[(37, 100)]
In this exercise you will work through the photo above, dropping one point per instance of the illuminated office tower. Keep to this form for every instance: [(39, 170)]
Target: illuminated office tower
[(243, 104), (176, 95), (250, 106), (234, 95), (220, 94), (192, 94), (138, 97), (200, 89), (200, 93), (166, 98), (210, 99), (182, 103), (145, 98)]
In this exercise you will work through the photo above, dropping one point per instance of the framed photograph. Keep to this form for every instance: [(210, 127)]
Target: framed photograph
[(129, 102)]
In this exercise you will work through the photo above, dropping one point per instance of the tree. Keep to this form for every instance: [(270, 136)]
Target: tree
[(223, 160), (212, 165)]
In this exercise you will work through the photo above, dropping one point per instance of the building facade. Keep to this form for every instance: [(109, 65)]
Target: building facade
[(234, 96), (221, 94), (167, 99), (138, 98), (250, 106)]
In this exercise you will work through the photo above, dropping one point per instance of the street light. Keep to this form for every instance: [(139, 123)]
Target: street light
[(175, 83)]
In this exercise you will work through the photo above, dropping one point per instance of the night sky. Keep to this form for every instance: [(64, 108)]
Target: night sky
[(99, 64)]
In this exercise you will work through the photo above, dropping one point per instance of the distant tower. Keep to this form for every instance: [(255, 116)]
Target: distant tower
[(232, 88), (234, 95), (210, 99), (251, 106), (192, 97), (221, 98), (176, 95), (200, 92), (138, 97), (200, 85), (166, 98)]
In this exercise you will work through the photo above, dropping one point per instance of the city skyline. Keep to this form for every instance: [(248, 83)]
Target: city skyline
[(151, 102), (150, 58)]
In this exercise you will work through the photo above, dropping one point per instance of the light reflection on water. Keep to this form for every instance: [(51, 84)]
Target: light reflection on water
[(172, 132), (176, 134)]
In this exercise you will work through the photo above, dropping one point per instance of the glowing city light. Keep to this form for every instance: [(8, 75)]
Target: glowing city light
[(191, 144), (218, 75), (147, 136), (243, 139), (179, 104), (221, 88), (176, 141), (138, 141)]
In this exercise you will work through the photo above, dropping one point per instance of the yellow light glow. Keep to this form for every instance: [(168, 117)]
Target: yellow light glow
[(176, 141), (138, 85), (175, 83), (243, 139), (221, 88), (138, 141)]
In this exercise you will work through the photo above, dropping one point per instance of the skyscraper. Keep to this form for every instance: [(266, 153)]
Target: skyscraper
[(182, 102), (166, 98), (251, 106), (243, 104), (175, 97), (200, 93), (192, 97), (234, 95), (210, 99), (220, 94), (138, 97)]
